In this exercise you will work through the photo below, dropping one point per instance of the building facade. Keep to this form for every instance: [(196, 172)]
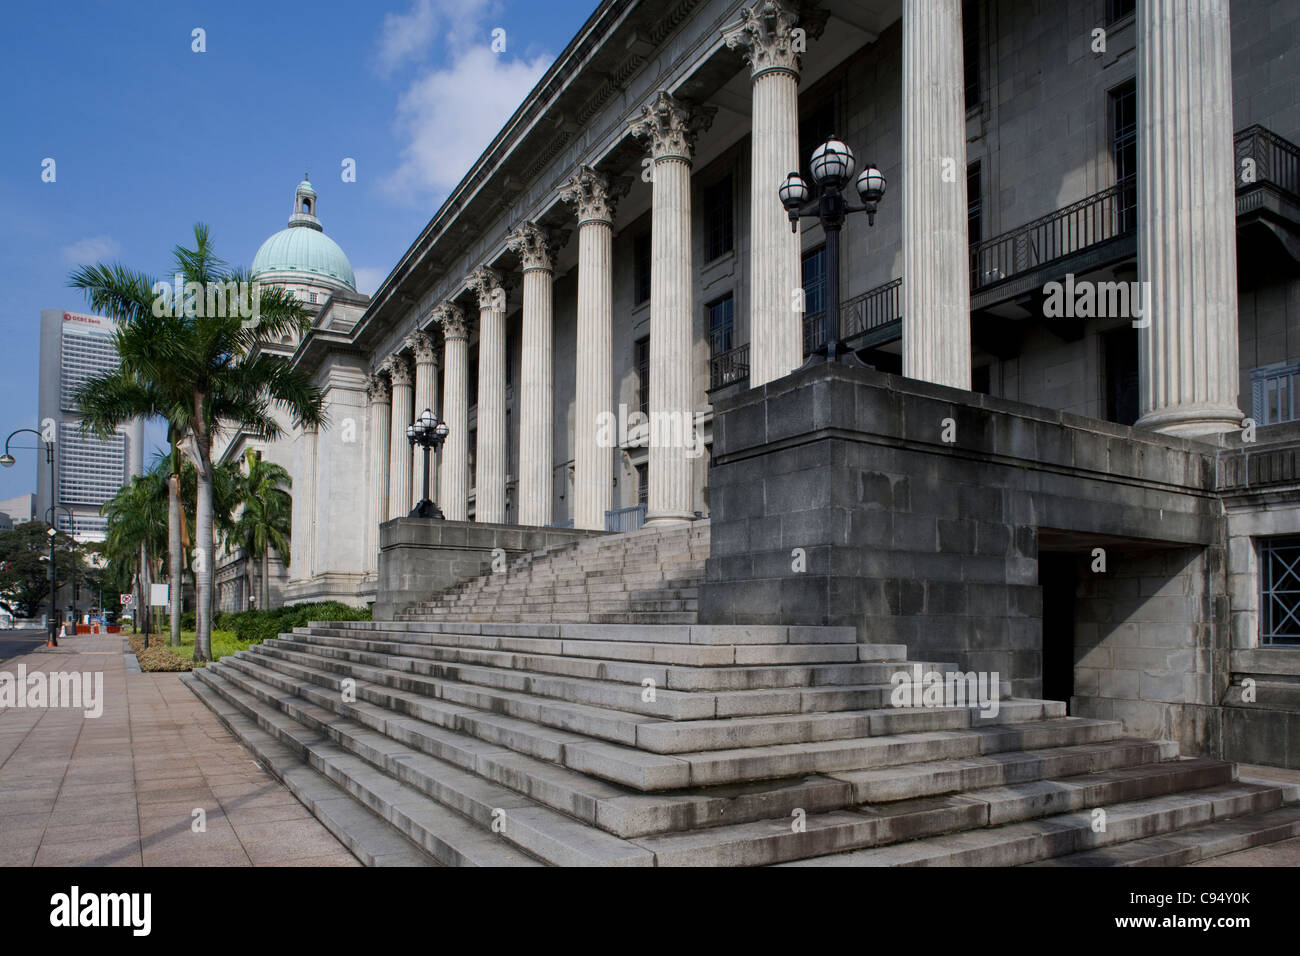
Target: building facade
[(1094, 209), (76, 348)]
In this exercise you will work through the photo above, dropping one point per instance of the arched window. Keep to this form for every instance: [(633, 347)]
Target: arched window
[(306, 206)]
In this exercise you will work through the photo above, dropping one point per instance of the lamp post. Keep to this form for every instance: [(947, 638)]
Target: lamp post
[(832, 167), (427, 432), (7, 460)]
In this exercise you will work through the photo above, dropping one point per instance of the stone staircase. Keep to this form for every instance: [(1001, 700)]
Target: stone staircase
[(651, 576), (473, 743)]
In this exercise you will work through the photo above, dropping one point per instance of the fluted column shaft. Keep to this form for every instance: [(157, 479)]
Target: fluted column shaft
[(399, 478), (670, 127), (1187, 252), (426, 379), (453, 481), (764, 35), (536, 408), (936, 250), (490, 470), (593, 493), (380, 432)]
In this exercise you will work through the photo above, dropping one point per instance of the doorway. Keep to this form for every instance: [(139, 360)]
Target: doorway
[(1058, 576)]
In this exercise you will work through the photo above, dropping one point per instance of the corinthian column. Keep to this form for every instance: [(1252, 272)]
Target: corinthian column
[(670, 127), (380, 394), (936, 248), (490, 473), (426, 375), (1187, 226), (594, 383), (453, 481), (765, 36), (399, 457), (536, 401)]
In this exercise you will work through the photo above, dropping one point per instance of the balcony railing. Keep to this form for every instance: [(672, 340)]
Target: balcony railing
[(1265, 157), (729, 366), (1101, 217), (872, 309), (625, 519)]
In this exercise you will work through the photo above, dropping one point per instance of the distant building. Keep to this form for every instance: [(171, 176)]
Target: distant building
[(19, 509), (75, 348), (6, 522)]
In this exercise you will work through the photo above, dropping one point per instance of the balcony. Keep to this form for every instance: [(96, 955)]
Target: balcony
[(625, 519)]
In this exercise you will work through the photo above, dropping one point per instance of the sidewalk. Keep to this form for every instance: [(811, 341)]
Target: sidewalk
[(121, 789)]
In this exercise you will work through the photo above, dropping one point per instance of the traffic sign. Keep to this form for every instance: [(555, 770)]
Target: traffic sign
[(126, 600)]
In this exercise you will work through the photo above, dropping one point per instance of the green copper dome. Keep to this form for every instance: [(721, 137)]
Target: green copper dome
[(303, 249)]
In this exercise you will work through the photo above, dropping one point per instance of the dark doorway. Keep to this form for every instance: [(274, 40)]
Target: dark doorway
[(1058, 576), (1121, 375)]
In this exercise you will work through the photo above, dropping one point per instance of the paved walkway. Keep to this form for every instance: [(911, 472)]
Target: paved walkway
[(121, 789)]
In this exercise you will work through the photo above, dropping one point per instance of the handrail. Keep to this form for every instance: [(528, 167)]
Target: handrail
[(729, 366)]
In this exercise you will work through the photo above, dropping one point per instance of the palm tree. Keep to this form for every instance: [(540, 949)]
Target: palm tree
[(264, 520), (137, 530), (201, 373)]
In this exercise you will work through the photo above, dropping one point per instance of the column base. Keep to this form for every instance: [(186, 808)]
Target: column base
[(666, 519), (1192, 420)]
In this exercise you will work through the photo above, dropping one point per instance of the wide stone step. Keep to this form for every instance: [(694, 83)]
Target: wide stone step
[(1193, 844), (710, 634), (448, 836), (1017, 844), (369, 837)]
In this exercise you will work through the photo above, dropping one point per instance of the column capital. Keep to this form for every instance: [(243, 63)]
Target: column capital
[(533, 246), (487, 284), (452, 319), (772, 35), (422, 347), (593, 194), (670, 126), (378, 390), (399, 370)]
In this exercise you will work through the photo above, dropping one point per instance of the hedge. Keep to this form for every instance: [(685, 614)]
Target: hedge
[(256, 626)]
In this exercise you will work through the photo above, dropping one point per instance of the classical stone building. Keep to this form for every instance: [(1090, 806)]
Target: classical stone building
[(1093, 211)]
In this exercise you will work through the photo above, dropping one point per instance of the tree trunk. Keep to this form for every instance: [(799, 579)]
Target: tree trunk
[(174, 584), (265, 599), (203, 537)]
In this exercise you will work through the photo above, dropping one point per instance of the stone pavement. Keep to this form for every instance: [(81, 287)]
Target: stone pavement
[(121, 789)]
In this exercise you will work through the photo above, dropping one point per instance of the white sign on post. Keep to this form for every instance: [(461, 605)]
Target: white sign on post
[(126, 600), (158, 595)]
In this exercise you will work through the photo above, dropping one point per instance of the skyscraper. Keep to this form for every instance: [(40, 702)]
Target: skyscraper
[(75, 348)]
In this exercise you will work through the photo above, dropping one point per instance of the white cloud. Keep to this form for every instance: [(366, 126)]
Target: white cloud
[(449, 115), (406, 37), (369, 279), (91, 251)]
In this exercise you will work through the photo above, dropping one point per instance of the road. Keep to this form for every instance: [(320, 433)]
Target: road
[(20, 641)]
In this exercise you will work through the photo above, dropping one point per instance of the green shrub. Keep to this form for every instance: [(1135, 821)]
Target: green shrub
[(255, 626)]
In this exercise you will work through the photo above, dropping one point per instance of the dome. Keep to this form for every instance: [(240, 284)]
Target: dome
[(304, 250)]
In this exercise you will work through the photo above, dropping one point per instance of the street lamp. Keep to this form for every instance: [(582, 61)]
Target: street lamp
[(428, 432), (8, 460), (832, 167)]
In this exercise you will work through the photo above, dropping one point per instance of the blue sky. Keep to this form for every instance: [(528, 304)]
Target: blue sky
[(149, 137)]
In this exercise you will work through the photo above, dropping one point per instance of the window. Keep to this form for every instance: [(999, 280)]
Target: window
[(815, 129), (980, 379), (1272, 393), (970, 48), (512, 346), (1123, 147), (641, 269), (719, 221), (643, 483), (1119, 9), (814, 300), (1279, 584), (721, 322), (473, 457), (643, 374), (974, 205)]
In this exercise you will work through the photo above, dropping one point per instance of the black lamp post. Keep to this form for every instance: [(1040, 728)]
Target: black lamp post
[(832, 168), (7, 460), (428, 432)]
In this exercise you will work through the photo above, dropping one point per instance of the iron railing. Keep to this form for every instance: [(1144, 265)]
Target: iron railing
[(1095, 219), (729, 366), (1264, 157), (625, 519), (862, 313)]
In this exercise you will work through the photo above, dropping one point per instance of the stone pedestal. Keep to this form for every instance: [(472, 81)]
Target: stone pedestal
[(1187, 227), (936, 250)]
